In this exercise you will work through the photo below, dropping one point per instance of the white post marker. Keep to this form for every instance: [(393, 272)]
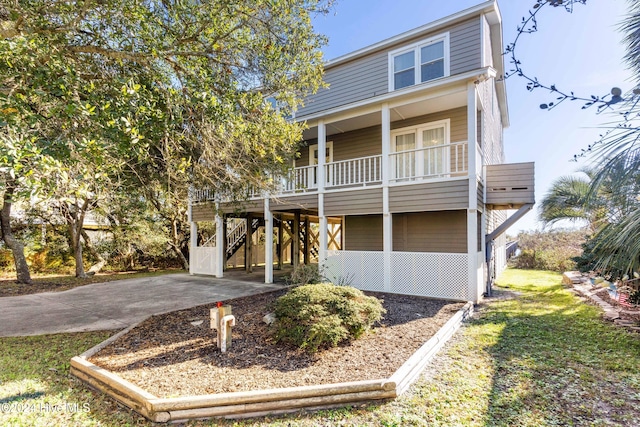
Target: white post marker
[(222, 320)]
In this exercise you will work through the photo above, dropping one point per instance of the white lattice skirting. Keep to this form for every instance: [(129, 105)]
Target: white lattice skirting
[(202, 260), (434, 275)]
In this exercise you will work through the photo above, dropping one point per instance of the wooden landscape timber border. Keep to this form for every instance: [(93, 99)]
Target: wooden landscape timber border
[(261, 402)]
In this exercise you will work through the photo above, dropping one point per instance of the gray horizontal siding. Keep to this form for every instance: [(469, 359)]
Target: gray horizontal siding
[(353, 202), (291, 203), (363, 233), (430, 232), (203, 212), (358, 143), (488, 50), (348, 145), (351, 82), (255, 206), (458, 122), (466, 52), (444, 195), (367, 77), (510, 184)]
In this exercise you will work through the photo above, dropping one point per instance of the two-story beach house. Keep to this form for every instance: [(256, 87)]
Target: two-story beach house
[(410, 193)]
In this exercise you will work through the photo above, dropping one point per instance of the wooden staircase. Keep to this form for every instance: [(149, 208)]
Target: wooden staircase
[(237, 234)]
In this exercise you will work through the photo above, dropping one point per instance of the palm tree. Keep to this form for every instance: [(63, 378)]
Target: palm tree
[(617, 243), (569, 199)]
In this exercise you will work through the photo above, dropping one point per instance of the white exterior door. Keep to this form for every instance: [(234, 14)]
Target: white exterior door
[(435, 152), (421, 151), (405, 144)]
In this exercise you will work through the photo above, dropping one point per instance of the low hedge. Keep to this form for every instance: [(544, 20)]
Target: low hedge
[(318, 316)]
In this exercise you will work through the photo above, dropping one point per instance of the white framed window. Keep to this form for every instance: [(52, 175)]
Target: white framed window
[(420, 62), (421, 151)]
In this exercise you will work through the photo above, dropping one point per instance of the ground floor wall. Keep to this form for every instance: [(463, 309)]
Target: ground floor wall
[(438, 231)]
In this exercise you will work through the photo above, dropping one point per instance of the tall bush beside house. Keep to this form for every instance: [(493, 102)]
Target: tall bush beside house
[(317, 316), (549, 250)]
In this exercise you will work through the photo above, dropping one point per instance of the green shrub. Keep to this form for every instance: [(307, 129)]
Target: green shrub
[(322, 315), (549, 250), (305, 274)]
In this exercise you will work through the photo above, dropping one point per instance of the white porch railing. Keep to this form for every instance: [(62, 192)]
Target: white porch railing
[(301, 179), (442, 161), (235, 232), (431, 162), (201, 195), (360, 171), (434, 275)]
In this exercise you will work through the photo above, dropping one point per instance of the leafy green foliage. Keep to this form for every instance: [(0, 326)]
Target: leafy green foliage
[(551, 250), (305, 274), (322, 315), (144, 99)]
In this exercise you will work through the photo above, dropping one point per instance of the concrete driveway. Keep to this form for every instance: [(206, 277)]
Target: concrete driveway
[(115, 305)]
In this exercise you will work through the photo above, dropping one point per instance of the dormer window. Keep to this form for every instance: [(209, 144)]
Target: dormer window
[(421, 62)]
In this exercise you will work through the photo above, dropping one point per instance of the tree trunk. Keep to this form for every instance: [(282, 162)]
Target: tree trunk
[(95, 268), (181, 257), (74, 216), (77, 255), (17, 248), (175, 244)]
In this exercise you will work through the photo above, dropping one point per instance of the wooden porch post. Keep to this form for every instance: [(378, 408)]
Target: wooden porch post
[(248, 245), (295, 256)]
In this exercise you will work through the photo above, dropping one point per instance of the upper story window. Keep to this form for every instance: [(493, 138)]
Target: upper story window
[(421, 62)]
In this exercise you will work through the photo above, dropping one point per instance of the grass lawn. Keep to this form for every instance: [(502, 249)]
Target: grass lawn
[(535, 355)]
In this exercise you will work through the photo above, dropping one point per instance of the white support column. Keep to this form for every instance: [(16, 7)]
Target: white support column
[(220, 255), (268, 242), (472, 211), (193, 236), (322, 152), (387, 221), (324, 230)]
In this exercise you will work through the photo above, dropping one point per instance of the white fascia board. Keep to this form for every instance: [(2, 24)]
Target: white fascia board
[(488, 7), (374, 104)]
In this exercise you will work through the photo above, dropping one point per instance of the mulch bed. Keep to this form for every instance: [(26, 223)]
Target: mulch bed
[(174, 354)]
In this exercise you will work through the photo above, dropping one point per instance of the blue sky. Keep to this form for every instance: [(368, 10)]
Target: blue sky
[(581, 51)]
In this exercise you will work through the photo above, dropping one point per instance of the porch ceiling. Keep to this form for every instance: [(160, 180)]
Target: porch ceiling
[(409, 109)]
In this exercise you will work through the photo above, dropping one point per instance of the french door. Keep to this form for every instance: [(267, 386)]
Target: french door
[(422, 151)]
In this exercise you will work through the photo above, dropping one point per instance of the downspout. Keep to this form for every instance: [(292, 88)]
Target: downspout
[(491, 237)]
